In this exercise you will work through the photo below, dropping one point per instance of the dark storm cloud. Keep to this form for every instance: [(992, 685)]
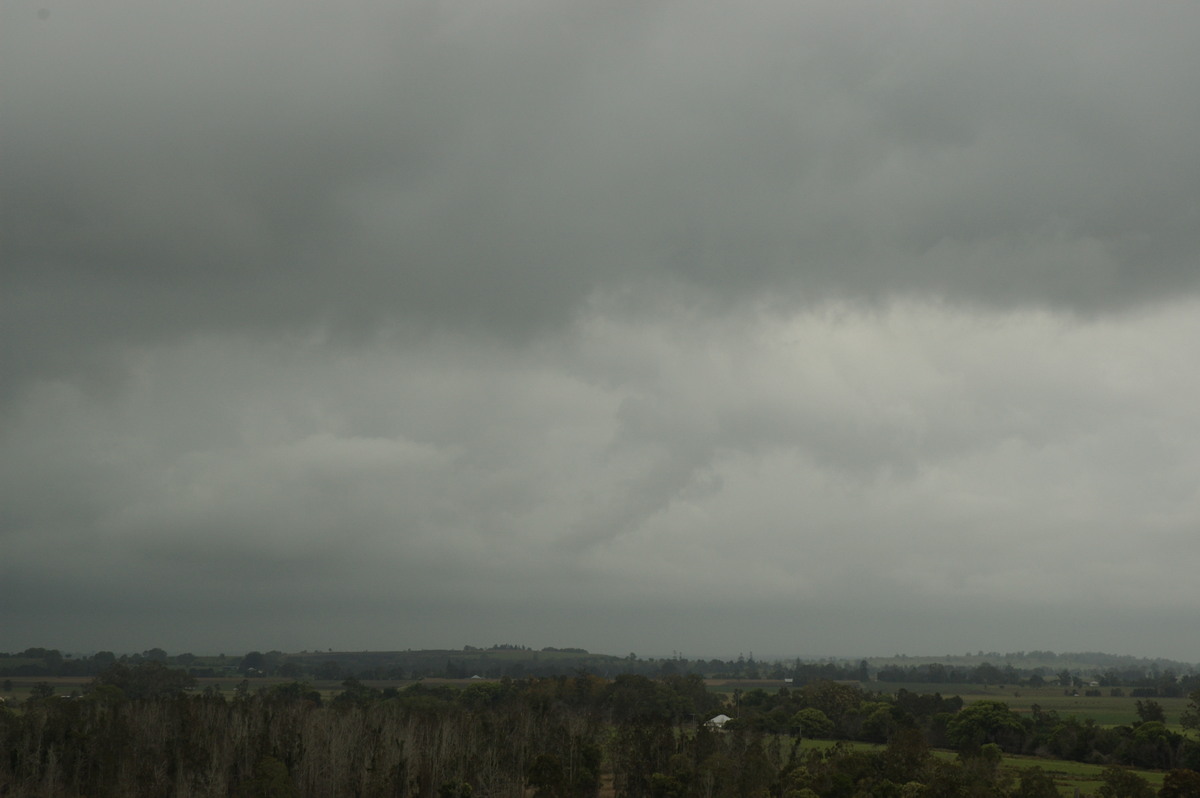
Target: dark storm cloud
[(485, 317), (488, 165), (237, 165)]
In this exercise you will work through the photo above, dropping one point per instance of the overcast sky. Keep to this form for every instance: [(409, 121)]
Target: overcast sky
[(800, 328)]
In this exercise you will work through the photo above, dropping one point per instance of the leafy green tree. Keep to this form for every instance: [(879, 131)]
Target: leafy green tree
[(986, 722), (812, 722), (987, 673), (837, 701), (756, 772), (1189, 755), (946, 780), (1151, 711), (663, 785), (980, 769), (692, 695), (1152, 745), (354, 693), (147, 679), (105, 694), (639, 700), (289, 669), (547, 777), (329, 670), (1180, 784), (294, 691), (638, 749), (270, 780), (1035, 783), (41, 690), (906, 756), (1122, 783), (1190, 719), (878, 722), (53, 660)]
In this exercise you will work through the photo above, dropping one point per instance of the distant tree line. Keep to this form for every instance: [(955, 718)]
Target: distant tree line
[(1147, 682), (139, 731), (840, 711), (937, 673), (516, 661), (52, 662), (1049, 661)]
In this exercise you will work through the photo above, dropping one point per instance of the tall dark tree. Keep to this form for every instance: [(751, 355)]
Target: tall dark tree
[(1151, 711), (1122, 783), (1180, 784), (1190, 719), (1035, 783), (253, 661), (147, 679)]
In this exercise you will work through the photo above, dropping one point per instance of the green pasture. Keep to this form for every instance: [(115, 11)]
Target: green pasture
[(1105, 709), (728, 686), (22, 686), (1067, 775)]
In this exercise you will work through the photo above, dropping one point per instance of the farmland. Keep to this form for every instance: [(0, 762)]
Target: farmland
[(627, 734), (1106, 710)]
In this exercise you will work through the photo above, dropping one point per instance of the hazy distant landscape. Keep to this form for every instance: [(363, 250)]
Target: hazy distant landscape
[(508, 720), (517, 660)]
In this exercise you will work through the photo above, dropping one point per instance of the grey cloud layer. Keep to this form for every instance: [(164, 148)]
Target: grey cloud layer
[(491, 164), (808, 469), (486, 317)]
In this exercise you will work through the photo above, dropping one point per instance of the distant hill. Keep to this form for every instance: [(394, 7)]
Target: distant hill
[(1082, 662), (515, 661)]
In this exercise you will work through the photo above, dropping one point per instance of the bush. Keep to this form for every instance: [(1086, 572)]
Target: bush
[(1122, 783)]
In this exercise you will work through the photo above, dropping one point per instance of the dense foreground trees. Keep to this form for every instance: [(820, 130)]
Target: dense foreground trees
[(489, 739), (138, 732)]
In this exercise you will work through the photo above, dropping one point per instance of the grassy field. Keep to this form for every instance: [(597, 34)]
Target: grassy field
[(1067, 775), (63, 685), (1105, 709)]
